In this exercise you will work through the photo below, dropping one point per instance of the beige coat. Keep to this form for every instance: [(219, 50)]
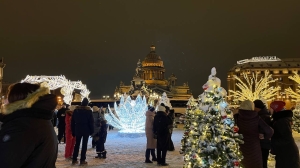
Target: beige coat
[(151, 142)]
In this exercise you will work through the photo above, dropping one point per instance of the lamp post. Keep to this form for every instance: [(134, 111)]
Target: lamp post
[(105, 97), (117, 96)]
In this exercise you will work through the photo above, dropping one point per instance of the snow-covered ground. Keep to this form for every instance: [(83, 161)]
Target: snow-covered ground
[(125, 152)]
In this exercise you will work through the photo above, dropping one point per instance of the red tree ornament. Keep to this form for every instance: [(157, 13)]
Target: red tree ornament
[(224, 117), (235, 129), (236, 163)]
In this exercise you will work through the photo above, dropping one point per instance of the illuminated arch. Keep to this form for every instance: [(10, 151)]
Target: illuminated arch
[(55, 82)]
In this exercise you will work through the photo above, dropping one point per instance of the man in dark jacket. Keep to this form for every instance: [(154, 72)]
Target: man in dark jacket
[(265, 144), (82, 125), (171, 116), (61, 115), (161, 128)]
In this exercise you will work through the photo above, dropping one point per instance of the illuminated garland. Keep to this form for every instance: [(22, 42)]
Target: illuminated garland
[(55, 82), (254, 88)]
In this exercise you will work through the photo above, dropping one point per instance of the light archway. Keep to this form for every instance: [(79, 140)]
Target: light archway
[(55, 82)]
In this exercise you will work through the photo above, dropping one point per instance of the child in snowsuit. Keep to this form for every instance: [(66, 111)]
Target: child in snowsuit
[(100, 149)]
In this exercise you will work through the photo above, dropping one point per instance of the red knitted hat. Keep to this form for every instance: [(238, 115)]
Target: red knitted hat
[(277, 105)]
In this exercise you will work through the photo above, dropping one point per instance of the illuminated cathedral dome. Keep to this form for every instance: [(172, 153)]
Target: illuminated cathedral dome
[(152, 59)]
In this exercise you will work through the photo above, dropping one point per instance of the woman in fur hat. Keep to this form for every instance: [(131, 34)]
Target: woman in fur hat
[(70, 143), (249, 124), (27, 137), (283, 143)]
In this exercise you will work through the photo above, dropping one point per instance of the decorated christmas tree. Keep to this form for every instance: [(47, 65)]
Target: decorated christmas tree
[(193, 117), (215, 142), (296, 118)]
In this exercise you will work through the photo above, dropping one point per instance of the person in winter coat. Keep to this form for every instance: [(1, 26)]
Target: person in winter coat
[(161, 128), (265, 144), (283, 143), (61, 115), (97, 122), (250, 124), (82, 125), (70, 143), (171, 116), (27, 137), (151, 142), (100, 148), (54, 119)]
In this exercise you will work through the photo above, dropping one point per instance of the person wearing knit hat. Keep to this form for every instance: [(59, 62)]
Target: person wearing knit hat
[(161, 125), (249, 124), (277, 106), (82, 125), (283, 143), (265, 144)]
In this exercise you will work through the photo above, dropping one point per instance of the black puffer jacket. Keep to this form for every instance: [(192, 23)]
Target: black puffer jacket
[(27, 137), (266, 116), (82, 122), (283, 143)]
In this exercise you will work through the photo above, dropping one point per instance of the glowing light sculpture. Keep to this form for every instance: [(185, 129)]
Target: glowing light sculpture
[(55, 82), (129, 116), (254, 88), (294, 94)]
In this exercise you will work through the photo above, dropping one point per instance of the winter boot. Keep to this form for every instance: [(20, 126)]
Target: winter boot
[(83, 162), (153, 154), (74, 162), (104, 154)]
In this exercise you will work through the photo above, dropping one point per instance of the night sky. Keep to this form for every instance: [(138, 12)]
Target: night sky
[(99, 42)]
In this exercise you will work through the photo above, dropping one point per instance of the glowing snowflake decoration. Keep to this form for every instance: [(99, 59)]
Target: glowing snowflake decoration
[(129, 116)]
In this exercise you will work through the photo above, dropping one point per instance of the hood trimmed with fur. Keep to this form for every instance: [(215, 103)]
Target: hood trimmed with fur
[(26, 103)]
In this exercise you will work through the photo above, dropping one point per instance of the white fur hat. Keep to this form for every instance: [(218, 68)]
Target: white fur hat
[(161, 108), (247, 105)]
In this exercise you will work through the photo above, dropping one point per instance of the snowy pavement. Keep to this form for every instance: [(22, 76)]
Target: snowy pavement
[(125, 152)]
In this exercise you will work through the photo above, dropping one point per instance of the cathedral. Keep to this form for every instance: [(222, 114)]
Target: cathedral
[(149, 80)]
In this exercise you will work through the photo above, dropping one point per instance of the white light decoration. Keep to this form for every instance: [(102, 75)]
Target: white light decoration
[(129, 116), (294, 94), (254, 88), (54, 82), (259, 59)]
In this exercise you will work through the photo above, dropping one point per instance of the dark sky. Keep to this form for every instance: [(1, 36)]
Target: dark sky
[(100, 42)]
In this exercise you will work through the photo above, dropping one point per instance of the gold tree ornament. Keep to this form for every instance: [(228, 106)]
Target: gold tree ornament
[(294, 94), (253, 87)]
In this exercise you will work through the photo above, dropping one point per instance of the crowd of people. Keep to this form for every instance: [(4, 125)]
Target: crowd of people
[(27, 137), (266, 131), (30, 114)]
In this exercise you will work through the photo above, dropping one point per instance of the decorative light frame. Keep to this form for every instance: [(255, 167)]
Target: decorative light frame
[(254, 88), (294, 94), (55, 82)]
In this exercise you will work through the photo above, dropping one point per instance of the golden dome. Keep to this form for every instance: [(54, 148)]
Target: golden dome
[(152, 59)]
